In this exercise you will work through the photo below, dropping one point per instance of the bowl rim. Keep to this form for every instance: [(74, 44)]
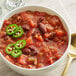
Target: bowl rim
[(69, 38)]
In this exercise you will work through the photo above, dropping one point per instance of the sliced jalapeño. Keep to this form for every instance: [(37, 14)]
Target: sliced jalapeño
[(20, 44), (19, 33), (9, 48), (11, 29)]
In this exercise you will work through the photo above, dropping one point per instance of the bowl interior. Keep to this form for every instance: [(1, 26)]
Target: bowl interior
[(41, 9)]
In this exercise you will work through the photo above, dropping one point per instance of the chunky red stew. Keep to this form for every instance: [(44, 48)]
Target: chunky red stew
[(33, 39)]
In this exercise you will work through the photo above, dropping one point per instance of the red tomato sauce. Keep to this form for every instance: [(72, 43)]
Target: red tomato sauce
[(46, 39)]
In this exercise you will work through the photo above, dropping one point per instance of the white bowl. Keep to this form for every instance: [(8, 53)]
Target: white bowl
[(44, 70)]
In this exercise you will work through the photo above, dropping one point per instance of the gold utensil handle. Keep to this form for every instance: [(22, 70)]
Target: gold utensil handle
[(67, 66)]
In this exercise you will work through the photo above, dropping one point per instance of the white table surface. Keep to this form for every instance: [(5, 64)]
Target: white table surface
[(70, 7)]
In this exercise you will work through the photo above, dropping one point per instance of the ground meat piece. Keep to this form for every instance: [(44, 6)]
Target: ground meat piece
[(6, 37), (49, 35), (50, 28), (9, 39), (52, 35), (54, 20), (30, 32), (14, 18), (40, 19), (2, 34)]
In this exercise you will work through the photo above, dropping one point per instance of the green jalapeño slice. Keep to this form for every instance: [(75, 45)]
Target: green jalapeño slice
[(11, 29), (16, 53), (20, 44), (9, 48), (19, 33)]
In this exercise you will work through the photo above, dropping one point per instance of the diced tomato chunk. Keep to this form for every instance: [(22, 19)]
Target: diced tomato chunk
[(51, 61), (22, 59), (38, 37), (9, 59), (32, 24), (59, 32), (46, 35), (40, 65), (29, 40), (49, 29)]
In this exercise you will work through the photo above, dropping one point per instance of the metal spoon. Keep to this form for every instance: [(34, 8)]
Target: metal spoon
[(71, 54)]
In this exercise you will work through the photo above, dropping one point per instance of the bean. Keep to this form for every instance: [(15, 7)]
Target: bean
[(26, 27), (42, 28), (26, 51)]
